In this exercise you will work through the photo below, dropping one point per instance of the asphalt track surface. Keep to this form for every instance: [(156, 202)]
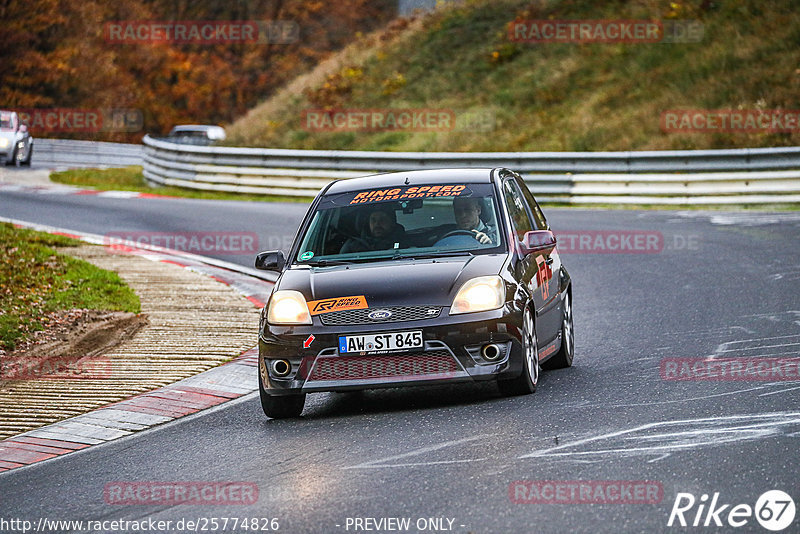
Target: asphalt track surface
[(721, 285)]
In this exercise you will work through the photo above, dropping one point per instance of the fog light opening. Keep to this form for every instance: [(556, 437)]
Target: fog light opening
[(281, 367), (490, 352)]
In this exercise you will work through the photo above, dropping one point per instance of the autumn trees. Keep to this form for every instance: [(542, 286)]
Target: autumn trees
[(57, 54)]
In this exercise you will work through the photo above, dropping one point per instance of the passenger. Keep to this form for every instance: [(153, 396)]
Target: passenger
[(467, 212), (380, 232)]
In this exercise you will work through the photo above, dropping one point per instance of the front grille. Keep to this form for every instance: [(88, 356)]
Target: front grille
[(399, 314), (423, 364)]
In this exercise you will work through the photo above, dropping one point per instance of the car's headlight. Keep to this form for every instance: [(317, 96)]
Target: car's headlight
[(479, 294), (288, 307), (3, 142)]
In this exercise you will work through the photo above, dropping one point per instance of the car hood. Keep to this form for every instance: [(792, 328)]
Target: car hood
[(422, 282)]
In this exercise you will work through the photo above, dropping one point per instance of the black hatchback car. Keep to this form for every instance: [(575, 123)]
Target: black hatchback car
[(414, 278)]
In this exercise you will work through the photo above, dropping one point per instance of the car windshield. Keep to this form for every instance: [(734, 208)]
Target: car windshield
[(5, 122), (188, 133), (402, 222)]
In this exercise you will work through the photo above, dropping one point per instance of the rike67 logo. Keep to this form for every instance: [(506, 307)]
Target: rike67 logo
[(774, 510)]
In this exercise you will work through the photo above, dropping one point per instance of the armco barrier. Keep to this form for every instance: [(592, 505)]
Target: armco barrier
[(73, 153), (737, 176)]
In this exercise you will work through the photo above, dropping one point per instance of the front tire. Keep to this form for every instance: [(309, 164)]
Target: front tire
[(526, 382), (563, 358), (27, 161), (280, 406)]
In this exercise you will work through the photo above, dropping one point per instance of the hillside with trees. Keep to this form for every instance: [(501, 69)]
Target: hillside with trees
[(516, 95)]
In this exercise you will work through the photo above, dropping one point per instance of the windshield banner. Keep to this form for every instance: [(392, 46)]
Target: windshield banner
[(400, 193)]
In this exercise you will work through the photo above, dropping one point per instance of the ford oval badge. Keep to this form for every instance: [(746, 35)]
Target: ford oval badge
[(379, 315)]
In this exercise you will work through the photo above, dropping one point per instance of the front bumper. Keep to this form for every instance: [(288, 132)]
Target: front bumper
[(451, 353)]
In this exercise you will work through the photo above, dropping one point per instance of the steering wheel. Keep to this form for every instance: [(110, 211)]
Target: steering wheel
[(357, 244), (360, 240), (457, 238), (458, 232)]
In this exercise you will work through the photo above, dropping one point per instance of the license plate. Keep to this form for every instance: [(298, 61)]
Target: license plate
[(381, 343)]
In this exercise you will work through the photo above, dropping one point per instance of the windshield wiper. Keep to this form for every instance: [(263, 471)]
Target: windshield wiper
[(423, 255), (396, 256), (326, 263)]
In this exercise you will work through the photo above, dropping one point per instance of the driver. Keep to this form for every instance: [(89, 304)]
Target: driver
[(467, 212), (382, 232)]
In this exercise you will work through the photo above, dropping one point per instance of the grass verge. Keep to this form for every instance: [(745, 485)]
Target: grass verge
[(36, 280), (132, 179)]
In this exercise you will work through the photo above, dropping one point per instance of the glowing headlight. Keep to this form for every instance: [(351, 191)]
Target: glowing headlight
[(479, 294), (288, 307), (3, 142)]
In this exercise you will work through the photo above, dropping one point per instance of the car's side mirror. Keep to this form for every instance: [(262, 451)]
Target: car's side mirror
[(271, 260), (537, 241), (23, 128)]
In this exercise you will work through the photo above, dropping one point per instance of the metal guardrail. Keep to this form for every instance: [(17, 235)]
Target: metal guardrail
[(73, 153), (737, 176)]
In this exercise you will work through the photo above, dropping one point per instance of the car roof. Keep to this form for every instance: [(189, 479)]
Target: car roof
[(426, 177)]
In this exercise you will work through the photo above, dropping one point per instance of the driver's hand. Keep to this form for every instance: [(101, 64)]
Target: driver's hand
[(481, 237)]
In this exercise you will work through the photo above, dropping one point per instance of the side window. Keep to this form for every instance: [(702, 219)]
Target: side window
[(536, 211), (516, 208)]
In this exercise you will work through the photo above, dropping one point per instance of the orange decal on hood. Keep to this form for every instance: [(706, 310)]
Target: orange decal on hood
[(357, 302)]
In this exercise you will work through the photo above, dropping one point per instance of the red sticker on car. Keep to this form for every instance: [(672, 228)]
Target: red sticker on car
[(543, 275)]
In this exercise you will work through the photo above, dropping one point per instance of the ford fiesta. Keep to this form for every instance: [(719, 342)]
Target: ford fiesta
[(415, 278)]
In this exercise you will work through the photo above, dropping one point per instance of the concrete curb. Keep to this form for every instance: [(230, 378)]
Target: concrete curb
[(190, 395), (59, 189), (213, 387)]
